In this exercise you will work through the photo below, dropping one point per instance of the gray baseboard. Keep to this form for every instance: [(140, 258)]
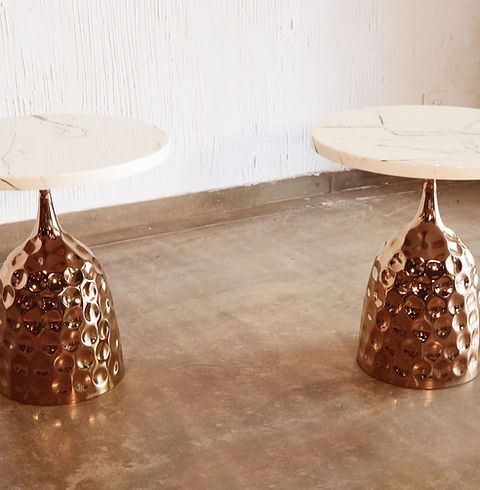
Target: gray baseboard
[(115, 223)]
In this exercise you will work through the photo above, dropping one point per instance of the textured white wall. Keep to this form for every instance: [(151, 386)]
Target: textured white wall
[(236, 83)]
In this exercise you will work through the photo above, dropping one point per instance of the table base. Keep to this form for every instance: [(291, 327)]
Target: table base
[(59, 339), (420, 318)]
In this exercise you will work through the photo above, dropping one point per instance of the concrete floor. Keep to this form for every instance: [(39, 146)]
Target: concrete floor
[(240, 342)]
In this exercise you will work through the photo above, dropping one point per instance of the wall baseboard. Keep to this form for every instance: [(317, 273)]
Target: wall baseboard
[(115, 223)]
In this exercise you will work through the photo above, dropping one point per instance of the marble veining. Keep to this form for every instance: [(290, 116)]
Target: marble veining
[(62, 127), (43, 151), (429, 142)]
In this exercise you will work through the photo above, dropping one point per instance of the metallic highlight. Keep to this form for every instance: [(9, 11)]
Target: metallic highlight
[(59, 339), (420, 321)]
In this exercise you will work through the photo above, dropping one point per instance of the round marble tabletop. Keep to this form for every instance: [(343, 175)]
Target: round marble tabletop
[(42, 152), (428, 142)]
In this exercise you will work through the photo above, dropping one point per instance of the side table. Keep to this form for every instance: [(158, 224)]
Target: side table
[(59, 339), (420, 320)]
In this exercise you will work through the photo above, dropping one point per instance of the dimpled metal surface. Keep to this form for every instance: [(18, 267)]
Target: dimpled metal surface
[(420, 317), (59, 339)]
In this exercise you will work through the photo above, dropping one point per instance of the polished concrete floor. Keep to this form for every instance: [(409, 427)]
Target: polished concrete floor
[(240, 342)]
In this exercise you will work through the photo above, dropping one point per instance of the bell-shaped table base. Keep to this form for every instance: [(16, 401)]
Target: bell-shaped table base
[(59, 339), (419, 325)]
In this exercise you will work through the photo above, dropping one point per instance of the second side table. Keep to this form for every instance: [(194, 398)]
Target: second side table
[(420, 320)]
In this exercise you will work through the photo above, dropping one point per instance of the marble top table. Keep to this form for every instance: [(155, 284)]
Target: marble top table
[(43, 152), (428, 142), (420, 320), (59, 337)]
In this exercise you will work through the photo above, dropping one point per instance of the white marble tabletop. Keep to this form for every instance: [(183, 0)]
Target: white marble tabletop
[(42, 152), (428, 142)]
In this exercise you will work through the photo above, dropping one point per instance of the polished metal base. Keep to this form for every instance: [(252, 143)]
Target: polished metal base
[(59, 339), (420, 321)]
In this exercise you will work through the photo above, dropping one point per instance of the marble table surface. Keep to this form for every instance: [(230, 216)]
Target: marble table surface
[(43, 152), (428, 142)]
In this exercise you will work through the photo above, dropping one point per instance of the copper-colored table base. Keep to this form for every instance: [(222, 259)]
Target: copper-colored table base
[(420, 317), (59, 339)]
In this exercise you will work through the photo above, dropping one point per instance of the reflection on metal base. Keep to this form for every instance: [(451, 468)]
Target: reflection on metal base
[(420, 317), (59, 339)]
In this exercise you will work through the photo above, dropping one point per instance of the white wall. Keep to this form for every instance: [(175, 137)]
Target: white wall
[(236, 83)]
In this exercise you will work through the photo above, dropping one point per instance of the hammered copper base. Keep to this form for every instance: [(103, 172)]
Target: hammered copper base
[(59, 339), (420, 317)]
